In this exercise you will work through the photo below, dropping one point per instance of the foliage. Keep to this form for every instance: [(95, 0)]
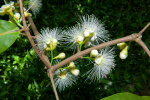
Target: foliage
[(12, 36), (22, 75), (126, 96)]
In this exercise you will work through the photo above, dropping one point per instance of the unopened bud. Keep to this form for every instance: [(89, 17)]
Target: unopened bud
[(17, 16), (75, 71), (60, 56), (71, 65), (124, 53), (79, 39), (26, 14), (122, 45), (93, 53)]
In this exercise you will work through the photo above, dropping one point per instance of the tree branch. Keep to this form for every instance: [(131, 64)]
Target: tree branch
[(35, 31), (140, 33), (131, 37), (51, 75), (29, 35), (142, 44)]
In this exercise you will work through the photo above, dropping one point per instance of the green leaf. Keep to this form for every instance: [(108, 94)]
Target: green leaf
[(126, 96), (6, 38)]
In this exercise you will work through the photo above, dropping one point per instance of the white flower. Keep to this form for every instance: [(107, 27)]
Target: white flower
[(93, 29), (49, 38), (74, 36), (63, 79), (103, 65), (75, 71), (35, 6)]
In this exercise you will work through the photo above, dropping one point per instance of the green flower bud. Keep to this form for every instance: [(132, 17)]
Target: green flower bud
[(60, 56)]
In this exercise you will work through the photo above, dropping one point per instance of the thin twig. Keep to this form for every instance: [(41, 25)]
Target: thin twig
[(12, 31), (35, 31), (23, 34), (142, 44), (140, 33), (29, 36)]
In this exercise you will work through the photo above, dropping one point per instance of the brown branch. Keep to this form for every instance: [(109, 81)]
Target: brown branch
[(131, 37), (142, 44), (23, 34), (29, 35), (35, 31), (140, 33), (51, 75)]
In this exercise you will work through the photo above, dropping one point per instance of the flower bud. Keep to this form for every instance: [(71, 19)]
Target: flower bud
[(122, 45), (88, 33), (17, 16), (71, 65), (94, 53), (79, 39), (54, 44), (124, 53), (26, 14), (60, 56), (7, 9), (75, 71), (99, 60)]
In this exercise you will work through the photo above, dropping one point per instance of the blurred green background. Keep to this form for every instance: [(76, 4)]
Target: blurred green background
[(22, 75)]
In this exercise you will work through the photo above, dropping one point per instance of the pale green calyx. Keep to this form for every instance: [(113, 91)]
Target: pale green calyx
[(124, 53), (60, 56), (122, 45), (71, 65)]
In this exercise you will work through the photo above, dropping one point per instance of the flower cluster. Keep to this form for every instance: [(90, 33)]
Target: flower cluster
[(103, 64), (66, 77), (49, 38), (89, 31)]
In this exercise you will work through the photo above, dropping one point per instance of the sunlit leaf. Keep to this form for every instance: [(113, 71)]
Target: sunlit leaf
[(7, 38), (126, 96)]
